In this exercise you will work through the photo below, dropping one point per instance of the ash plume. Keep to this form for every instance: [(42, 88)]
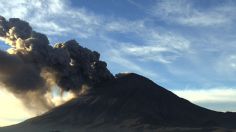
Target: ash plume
[(31, 67)]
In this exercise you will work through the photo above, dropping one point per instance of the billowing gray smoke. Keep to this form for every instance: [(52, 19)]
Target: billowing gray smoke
[(31, 66)]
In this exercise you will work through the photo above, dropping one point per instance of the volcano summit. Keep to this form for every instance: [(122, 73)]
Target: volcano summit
[(129, 103)]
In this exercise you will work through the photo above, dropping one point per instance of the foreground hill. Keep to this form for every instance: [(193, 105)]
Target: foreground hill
[(129, 102)]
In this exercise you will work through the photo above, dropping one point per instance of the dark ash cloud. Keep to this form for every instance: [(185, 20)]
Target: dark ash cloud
[(31, 66)]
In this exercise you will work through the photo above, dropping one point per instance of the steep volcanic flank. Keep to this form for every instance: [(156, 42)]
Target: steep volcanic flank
[(129, 102)]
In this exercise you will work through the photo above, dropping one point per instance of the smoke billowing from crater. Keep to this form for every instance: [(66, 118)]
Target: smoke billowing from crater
[(31, 67)]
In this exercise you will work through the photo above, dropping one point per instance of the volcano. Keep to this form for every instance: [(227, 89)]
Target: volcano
[(131, 103)]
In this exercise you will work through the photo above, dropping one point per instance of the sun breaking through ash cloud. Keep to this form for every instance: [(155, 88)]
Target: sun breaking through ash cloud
[(32, 67)]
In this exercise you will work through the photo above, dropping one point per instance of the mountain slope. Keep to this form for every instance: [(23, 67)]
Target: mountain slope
[(129, 102)]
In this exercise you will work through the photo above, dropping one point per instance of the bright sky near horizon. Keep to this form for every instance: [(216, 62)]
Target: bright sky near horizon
[(186, 46)]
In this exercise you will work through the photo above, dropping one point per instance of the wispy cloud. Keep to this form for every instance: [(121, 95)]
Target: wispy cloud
[(53, 17), (118, 58), (184, 12), (226, 66), (56, 17), (158, 47), (155, 44), (126, 26)]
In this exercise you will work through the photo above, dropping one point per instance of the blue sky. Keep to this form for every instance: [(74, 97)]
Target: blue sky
[(186, 46)]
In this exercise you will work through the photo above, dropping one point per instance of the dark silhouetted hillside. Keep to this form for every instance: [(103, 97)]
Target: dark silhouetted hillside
[(129, 102)]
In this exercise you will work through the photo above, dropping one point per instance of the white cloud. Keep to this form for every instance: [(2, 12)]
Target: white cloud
[(210, 97), (163, 48), (226, 66), (56, 18), (117, 57), (156, 44), (125, 26), (231, 62), (150, 53), (184, 12), (53, 17)]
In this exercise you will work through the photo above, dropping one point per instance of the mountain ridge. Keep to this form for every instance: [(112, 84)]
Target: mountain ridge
[(131, 102)]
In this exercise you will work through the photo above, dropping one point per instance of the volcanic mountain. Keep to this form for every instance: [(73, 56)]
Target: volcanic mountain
[(129, 102)]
